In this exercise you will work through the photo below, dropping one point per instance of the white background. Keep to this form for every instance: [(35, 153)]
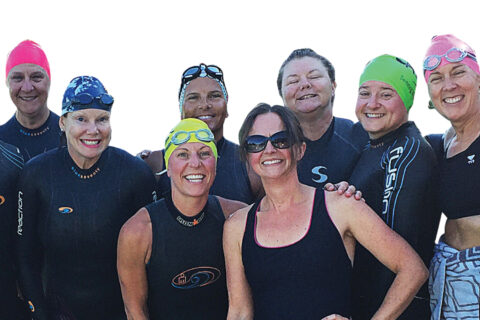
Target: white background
[(139, 49)]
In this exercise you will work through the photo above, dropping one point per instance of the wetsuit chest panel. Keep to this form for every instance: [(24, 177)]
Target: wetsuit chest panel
[(186, 271), (309, 279), (332, 157), (395, 174), (32, 142), (458, 183)]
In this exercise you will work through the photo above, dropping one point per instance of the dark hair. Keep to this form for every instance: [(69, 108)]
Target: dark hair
[(301, 53), (292, 126)]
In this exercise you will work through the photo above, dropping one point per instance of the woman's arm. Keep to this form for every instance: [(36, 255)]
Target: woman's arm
[(239, 296), (356, 219), (133, 253), (29, 251)]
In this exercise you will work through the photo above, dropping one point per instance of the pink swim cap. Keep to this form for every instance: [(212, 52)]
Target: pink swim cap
[(27, 52), (441, 44)]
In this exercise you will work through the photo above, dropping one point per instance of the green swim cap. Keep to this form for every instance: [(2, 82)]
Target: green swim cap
[(189, 130), (394, 71)]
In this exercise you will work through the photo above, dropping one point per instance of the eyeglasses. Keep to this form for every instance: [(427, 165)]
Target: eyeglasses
[(257, 143), (452, 55), (202, 71), (180, 137), (87, 98)]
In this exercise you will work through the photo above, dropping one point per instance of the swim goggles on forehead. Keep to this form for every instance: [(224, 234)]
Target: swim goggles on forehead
[(87, 98), (257, 143), (202, 71), (181, 137), (452, 55)]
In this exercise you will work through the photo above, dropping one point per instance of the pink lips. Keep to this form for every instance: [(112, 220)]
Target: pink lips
[(91, 143)]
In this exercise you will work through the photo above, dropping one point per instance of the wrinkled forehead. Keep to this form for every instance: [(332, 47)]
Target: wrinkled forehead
[(303, 65)]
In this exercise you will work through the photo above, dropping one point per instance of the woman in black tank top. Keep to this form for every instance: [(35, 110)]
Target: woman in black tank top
[(289, 256)]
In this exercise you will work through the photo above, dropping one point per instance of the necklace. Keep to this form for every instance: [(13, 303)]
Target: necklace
[(34, 134), (193, 223), (85, 176)]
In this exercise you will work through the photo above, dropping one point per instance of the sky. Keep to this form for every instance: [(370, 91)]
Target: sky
[(139, 49)]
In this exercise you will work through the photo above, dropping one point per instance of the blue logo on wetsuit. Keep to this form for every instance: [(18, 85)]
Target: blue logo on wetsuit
[(196, 277), (65, 210), (2, 200)]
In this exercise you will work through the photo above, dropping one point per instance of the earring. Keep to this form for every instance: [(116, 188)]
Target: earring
[(430, 105)]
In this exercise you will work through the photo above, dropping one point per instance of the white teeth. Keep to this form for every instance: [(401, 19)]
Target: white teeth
[(374, 115), (268, 162), (91, 142), (195, 177), (27, 98), (308, 96), (204, 117), (453, 100)]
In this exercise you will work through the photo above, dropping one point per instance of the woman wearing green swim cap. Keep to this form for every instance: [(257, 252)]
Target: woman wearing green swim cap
[(395, 174), (171, 250)]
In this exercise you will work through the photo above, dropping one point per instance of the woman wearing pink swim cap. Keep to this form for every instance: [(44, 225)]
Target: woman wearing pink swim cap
[(453, 79), (33, 128)]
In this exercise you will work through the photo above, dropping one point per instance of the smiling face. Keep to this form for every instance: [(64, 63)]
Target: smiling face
[(29, 85), (379, 108), (306, 85), (271, 162), (454, 90), (204, 100), (88, 134), (191, 168)]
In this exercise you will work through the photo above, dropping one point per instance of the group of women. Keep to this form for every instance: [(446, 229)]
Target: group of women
[(288, 249)]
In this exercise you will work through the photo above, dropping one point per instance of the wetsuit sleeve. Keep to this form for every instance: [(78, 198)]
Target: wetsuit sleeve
[(29, 250), (144, 186), (408, 196)]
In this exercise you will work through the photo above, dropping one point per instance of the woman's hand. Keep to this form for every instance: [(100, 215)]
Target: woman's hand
[(344, 188), (144, 154)]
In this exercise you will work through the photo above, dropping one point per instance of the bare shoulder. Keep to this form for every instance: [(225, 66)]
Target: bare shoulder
[(138, 228), (230, 206), (237, 220), (344, 209)]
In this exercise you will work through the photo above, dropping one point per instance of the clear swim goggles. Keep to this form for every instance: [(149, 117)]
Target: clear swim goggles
[(452, 55), (181, 137)]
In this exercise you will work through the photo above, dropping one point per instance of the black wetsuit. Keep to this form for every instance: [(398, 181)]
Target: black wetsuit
[(396, 176), (11, 163), (231, 180), (309, 279), (69, 220), (332, 157), (32, 142), (186, 271)]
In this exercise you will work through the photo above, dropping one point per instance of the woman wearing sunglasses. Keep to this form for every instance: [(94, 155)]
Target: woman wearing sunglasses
[(171, 251), (287, 256), (72, 202), (203, 95), (306, 83), (34, 128), (453, 79), (395, 173)]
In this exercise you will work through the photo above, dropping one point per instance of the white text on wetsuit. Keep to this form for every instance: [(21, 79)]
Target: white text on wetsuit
[(390, 178), (20, 213)]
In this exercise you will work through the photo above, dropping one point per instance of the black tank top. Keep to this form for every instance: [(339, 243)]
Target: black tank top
[(186, 271), (309, 279)]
